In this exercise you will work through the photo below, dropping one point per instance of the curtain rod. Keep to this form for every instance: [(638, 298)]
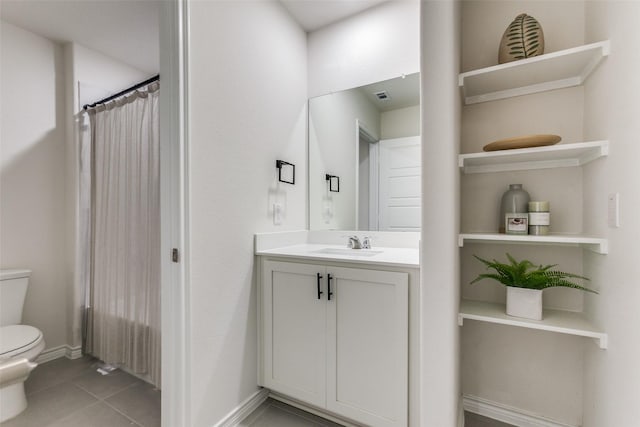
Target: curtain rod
[(132, 88)]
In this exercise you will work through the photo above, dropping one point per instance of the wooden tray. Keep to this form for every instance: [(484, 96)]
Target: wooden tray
[(526, 141)]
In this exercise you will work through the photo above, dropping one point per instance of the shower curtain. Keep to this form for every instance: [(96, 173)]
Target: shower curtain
[(122, 221)]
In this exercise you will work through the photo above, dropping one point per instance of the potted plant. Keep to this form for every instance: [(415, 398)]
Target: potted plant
[(525, 283)]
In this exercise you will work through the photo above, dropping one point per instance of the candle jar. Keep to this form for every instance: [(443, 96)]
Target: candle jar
[(539, 218)]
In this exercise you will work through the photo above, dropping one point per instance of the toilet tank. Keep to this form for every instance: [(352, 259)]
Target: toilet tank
[(13, 289)]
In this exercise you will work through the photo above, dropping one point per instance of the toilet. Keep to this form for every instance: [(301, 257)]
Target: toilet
[(19, 344)]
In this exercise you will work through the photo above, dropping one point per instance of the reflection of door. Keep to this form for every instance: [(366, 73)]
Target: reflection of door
[(399, 180), (367, 188)]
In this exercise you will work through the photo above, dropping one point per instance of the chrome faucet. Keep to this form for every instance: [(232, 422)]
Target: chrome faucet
[(354, 243), (366, 242)]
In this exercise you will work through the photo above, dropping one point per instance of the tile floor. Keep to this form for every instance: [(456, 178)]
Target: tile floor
[(277, 414), (70, 393), (273, 413), (475, 420)]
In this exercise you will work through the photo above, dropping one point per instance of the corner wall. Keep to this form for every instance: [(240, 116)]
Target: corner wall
[(247, 107), (440, 285), (612, 376), (32, 178)]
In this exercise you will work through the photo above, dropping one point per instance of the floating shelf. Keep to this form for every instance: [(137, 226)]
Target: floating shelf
[(595, 244), (555, 70), (554, 156), (563, 322)]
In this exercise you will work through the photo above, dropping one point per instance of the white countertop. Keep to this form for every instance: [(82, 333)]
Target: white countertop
[(394, 257)]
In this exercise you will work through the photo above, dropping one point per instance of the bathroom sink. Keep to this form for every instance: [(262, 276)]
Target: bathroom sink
[(347, 252)]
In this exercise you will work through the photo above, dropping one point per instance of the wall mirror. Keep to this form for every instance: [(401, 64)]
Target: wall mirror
[(368, 137)]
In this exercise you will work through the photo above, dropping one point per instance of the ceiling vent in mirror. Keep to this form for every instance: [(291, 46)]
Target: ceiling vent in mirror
[(382, 95)]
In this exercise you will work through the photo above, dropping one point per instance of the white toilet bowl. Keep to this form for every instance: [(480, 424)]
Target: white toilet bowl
[(20, 345)]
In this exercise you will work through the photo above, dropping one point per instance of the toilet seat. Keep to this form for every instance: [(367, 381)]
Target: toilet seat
[(18, 339)]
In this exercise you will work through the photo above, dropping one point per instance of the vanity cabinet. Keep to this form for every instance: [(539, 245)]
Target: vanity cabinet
[(336, 338)]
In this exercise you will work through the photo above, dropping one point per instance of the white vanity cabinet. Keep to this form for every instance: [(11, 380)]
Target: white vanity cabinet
[(337, 338)]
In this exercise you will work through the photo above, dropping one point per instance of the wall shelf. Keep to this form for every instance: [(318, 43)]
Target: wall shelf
[(554, 156), (559, 321), (556, 70), (595, 244)]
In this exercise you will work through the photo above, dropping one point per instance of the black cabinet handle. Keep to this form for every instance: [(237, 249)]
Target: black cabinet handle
[(319, 277), (329, 293)]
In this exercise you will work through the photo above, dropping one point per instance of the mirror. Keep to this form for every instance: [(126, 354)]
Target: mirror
[(368, 140)]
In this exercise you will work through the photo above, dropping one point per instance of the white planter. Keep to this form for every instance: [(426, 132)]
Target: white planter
[(526, 303)]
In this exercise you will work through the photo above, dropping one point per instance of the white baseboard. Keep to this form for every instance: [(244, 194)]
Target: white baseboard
[(58, 352), (507, 414), (73, 352), (243, 410)]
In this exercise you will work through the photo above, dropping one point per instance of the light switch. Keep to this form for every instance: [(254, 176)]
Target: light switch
[(277, 214), (614, 210)]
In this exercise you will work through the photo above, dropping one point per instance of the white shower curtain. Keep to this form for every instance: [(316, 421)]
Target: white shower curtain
[(123, 326)]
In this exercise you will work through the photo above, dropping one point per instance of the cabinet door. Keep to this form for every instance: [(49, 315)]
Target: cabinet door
[(367, 346), (294, 326)]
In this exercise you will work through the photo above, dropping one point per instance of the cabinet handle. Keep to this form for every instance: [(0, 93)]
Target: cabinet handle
[(329, 293), (319, 277)]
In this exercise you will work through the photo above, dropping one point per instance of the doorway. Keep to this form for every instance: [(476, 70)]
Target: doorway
[(52, 27)]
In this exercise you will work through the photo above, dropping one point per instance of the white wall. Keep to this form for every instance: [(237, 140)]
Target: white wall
[(247, 101), (97, 75), (500, 364), (333, 146), (440, 291), (378, 44), (32, 183), (612, 377), (400, 123)]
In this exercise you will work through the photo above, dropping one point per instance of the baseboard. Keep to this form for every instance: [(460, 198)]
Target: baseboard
[(60, 351), (73, 352), (507, 414), (245, 408)]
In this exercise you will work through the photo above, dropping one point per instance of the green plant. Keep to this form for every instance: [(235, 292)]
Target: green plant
[(525, 274)]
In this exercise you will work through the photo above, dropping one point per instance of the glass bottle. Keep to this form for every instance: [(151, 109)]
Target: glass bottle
[(514, 200)]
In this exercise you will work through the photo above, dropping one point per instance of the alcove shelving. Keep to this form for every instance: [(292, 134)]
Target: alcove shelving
[(561, 69), (556, 70), (594, 244), (559, 321), (553, 156)]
